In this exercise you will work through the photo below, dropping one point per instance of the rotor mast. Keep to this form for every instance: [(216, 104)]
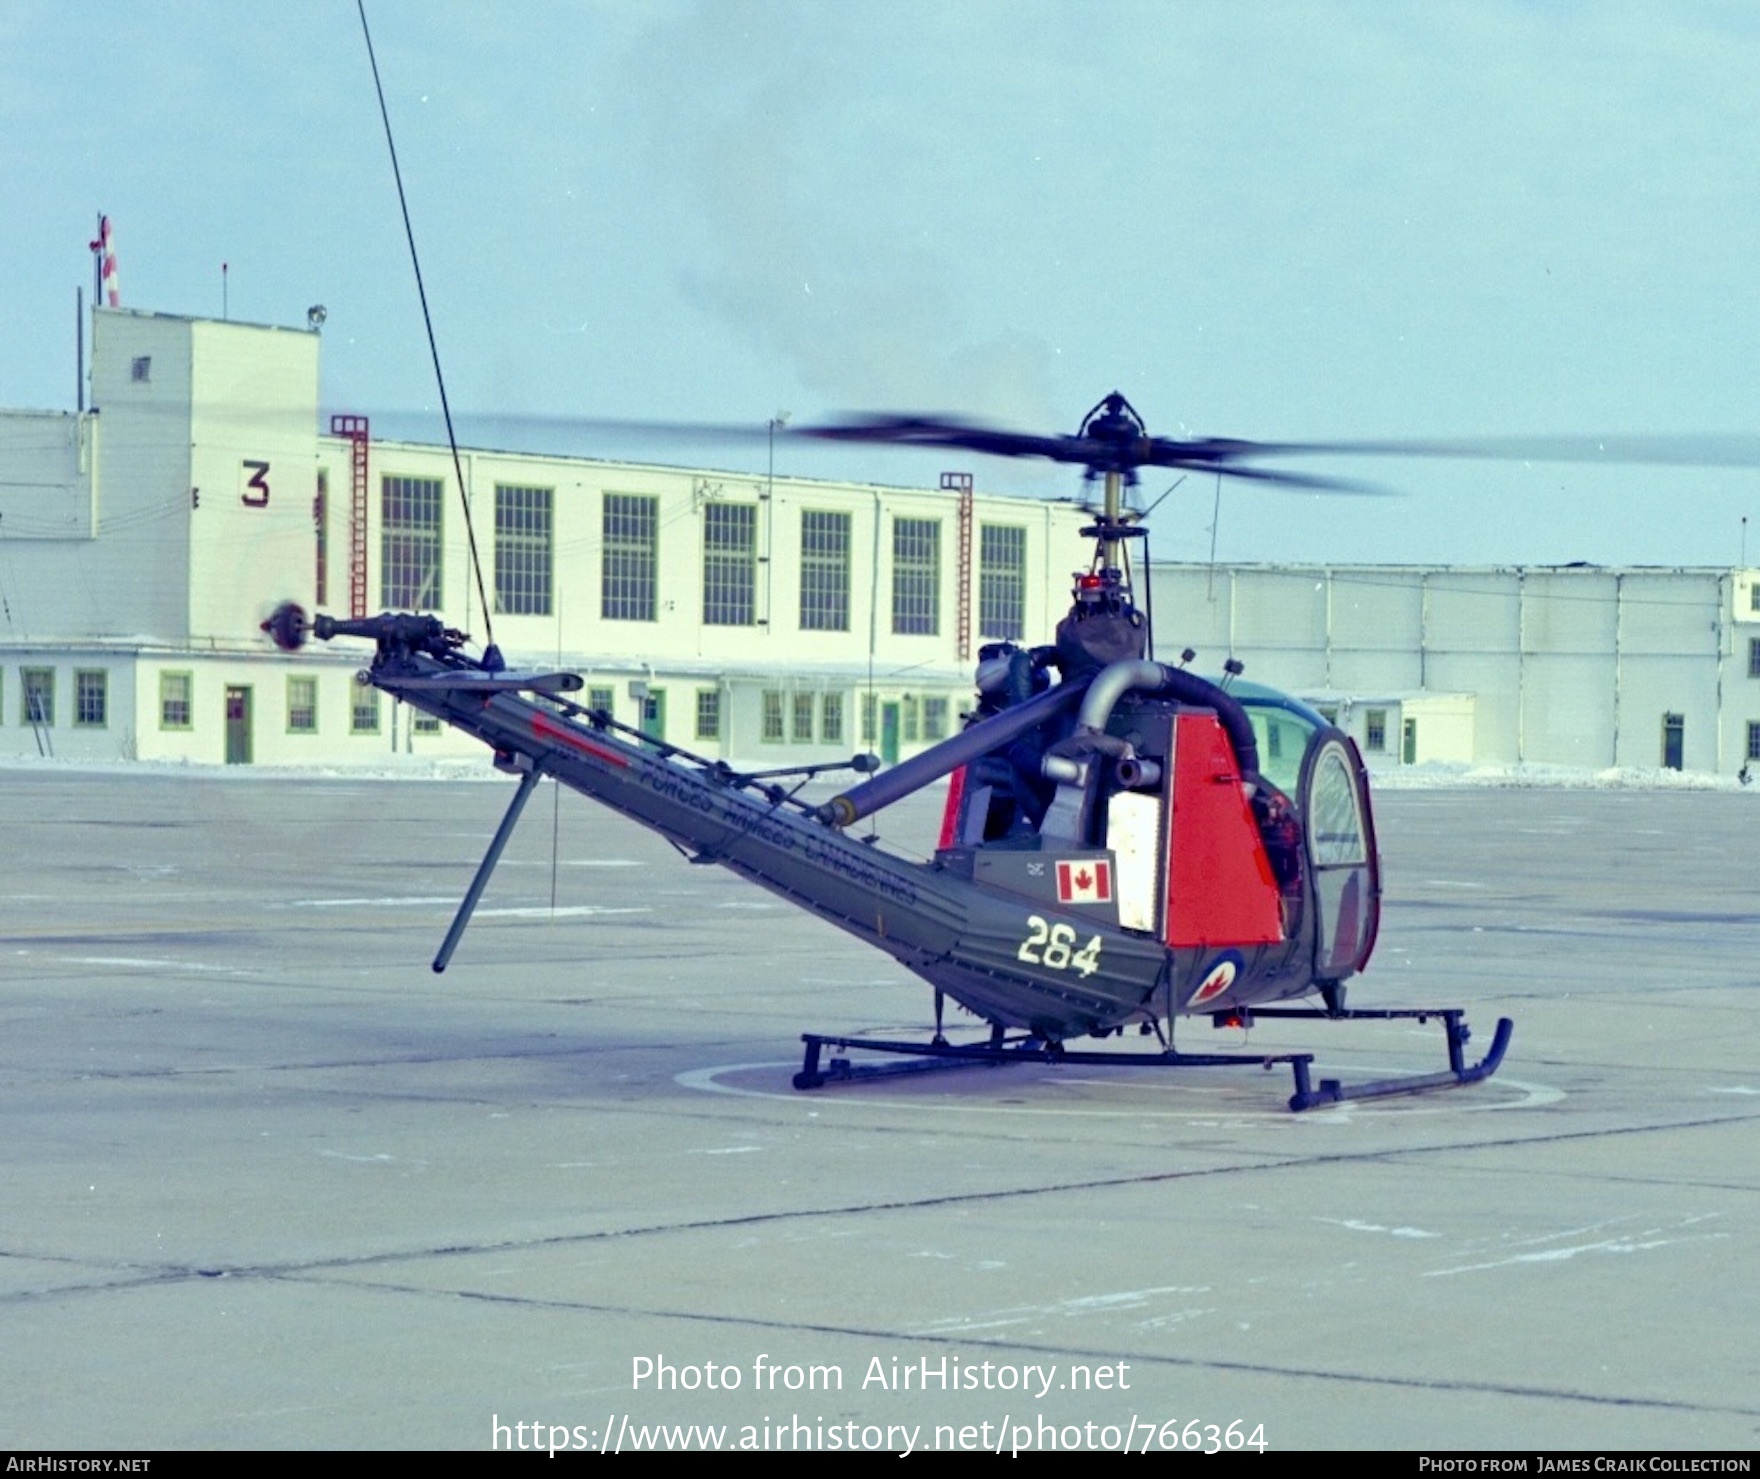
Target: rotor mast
[(1104, 625), (1113, 442), (1110, 518)]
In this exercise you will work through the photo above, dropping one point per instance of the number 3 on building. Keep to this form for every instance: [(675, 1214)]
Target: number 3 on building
[(256, 494), (1049, 945)]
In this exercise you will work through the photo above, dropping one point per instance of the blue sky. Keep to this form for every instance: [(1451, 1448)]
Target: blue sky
[(1273, 220)]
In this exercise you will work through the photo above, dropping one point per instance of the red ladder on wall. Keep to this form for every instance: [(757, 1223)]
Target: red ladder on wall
[(355, 429)]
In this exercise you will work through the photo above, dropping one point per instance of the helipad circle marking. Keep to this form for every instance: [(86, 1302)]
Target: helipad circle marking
[(1533, 1096)]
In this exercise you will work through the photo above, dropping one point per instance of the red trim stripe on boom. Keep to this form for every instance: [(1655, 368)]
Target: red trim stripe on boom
[(545, 727)]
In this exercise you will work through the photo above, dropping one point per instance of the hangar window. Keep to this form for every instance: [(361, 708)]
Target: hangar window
[(916, 577), (140, 369), (708, 713), (363, 713), (91, 698), (1753, 740), (630, 559), (1754, 596), (602, 698), (934, 718), (870, 718), (1375, 730), (424, 724), (409, 546), (771, 732), (831, 719), (802, 730), (730, 564), (824, 572), (1754, 653), (522, 550), (37, 695), (175, 700), (302, 705), (1002, 581)]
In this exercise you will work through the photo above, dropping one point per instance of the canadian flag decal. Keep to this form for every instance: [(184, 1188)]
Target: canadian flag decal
[(1086, 881)]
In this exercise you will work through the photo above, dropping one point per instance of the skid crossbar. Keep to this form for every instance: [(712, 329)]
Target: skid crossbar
[(1000, 1051)]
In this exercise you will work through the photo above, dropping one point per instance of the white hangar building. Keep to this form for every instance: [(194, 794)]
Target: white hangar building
[(771, 620), (1591, 666), (767, 620)]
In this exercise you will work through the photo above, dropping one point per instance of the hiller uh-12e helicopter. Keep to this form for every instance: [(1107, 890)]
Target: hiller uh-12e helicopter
[(1123, 842)]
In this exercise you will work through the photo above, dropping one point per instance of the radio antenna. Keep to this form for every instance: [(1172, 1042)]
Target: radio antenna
[(492, 659)]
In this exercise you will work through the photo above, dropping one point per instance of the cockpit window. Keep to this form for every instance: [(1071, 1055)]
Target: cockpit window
[(1282, 732), (1335, 824)]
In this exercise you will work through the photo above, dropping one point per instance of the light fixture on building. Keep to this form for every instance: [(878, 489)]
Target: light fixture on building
[(315, 316)]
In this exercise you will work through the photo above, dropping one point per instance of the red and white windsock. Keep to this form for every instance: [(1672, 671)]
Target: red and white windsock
[(106, 254)]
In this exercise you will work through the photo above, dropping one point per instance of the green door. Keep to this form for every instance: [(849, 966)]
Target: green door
[(654, 714), (1408, 742), (238, 725), (889, 733)]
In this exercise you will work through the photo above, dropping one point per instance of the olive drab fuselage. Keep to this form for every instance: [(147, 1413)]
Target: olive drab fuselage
[(1159, 876)]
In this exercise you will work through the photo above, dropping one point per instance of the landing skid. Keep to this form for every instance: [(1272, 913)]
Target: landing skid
[(1454, 1021), (1001, 1050)]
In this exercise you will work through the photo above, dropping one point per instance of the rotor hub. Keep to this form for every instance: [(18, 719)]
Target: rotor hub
[(1114, 439)]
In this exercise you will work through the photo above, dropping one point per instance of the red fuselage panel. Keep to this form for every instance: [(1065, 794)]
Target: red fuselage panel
[(1220, 888), (956, 795)]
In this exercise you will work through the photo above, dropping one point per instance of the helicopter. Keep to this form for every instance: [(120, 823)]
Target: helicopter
[(1124, 843)]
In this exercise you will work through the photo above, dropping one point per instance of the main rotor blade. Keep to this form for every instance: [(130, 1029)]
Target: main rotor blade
[(1298, 482), (1711, 449), (524, 427), (1235, 457), (932, 432), (1096, 453), (1231, 454), (1199, 454)]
